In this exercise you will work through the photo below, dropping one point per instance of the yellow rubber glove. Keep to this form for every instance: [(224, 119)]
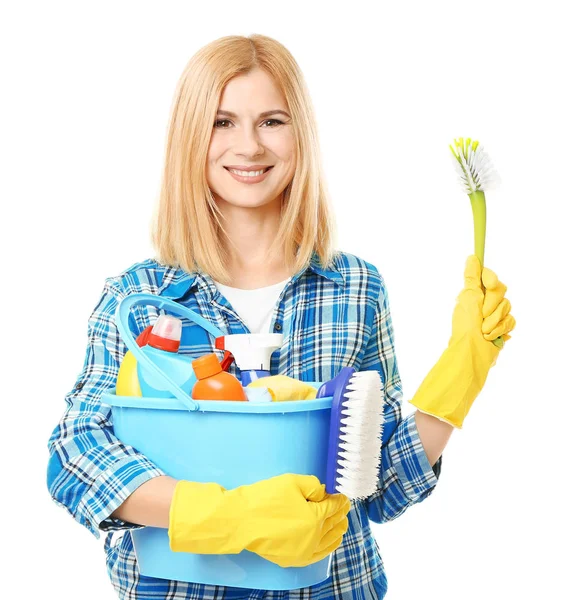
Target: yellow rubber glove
[(284, 388), (290, 519), (496, 308), (481, 314)]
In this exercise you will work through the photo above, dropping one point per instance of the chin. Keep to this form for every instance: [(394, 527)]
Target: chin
[(246, 202)]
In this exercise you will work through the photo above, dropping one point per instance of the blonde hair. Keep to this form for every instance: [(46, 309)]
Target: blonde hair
[(186, 229)]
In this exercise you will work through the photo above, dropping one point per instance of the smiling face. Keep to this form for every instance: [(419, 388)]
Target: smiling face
[(255, 134)]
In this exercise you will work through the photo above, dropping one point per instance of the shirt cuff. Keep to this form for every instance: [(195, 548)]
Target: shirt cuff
[(416, 475), (111, 489)]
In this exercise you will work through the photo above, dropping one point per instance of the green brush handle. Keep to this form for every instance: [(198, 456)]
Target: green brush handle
[(480, 224)]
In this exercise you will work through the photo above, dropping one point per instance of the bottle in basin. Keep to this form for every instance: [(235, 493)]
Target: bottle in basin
[(252, 353), (214, 383), (162, 344)]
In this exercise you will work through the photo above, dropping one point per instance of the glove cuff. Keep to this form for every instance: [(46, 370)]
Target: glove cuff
[(199, 520), (450, 388)]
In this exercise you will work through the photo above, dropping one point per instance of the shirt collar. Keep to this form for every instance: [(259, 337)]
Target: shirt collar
[(177, 282)]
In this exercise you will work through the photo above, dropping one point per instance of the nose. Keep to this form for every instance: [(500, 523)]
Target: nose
[(247, 141)]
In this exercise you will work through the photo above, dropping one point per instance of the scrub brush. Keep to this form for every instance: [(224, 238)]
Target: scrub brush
[(355, 439), (476, 176)]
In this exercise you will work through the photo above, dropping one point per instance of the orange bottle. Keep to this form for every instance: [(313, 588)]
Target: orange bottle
[(213, 382)]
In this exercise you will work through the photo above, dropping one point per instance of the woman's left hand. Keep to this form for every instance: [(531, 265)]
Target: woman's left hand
[(497, 320), (481, 314)]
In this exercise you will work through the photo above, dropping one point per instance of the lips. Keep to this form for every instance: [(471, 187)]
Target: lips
[(249, 179), (249, 169)]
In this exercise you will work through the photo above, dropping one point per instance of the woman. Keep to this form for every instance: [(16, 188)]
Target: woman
[(256, 254)]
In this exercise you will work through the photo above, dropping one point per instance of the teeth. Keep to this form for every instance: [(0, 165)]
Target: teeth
[(247, 173)]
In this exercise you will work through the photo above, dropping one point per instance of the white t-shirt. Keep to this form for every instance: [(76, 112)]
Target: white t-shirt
[(255, 307)]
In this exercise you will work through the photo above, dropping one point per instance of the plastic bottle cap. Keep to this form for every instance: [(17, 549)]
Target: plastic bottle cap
[(206, 366), (142, 339), (166, 333)]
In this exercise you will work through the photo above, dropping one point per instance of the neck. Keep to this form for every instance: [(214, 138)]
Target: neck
[(251, 232)]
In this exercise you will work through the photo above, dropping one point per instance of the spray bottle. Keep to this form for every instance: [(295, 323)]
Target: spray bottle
[(252, 353)]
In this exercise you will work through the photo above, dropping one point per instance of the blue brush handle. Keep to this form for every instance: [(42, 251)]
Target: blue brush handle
[(122, 319), (336, 388)]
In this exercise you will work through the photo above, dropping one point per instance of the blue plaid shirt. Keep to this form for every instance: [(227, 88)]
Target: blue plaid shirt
[(330, 318)]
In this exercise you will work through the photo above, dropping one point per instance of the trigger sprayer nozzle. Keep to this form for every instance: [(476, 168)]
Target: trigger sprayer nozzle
[(251, 351)]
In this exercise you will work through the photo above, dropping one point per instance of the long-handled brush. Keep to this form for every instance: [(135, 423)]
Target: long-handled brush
[(476, 176), (355, 440)]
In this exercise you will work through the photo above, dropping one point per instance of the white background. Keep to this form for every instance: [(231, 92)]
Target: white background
[(87, 88)]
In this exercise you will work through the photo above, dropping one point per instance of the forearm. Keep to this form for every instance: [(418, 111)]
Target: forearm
[(149, 504), (434, 435)]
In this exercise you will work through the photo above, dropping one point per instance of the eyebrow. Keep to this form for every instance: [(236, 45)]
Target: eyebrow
[(228, 113)]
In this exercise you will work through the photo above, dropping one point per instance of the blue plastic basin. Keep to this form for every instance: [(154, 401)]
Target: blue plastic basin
[(232, 444)]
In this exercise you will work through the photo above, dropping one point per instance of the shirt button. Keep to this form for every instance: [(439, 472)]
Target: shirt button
[(79, 386), (278, 327)]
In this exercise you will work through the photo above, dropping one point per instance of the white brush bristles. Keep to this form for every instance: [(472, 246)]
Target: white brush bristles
[(360, 441), (476, 173)]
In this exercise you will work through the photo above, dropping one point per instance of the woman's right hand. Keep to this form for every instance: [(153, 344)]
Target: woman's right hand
[(289, 519)]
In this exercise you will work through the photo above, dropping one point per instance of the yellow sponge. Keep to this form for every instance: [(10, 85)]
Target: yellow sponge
[(283, 388)]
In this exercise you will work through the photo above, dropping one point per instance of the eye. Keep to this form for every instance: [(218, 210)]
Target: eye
[(274, 121), (219, 121)]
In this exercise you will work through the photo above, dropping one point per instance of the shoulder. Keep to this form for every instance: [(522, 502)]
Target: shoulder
[(148, 276), (359, 274)]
